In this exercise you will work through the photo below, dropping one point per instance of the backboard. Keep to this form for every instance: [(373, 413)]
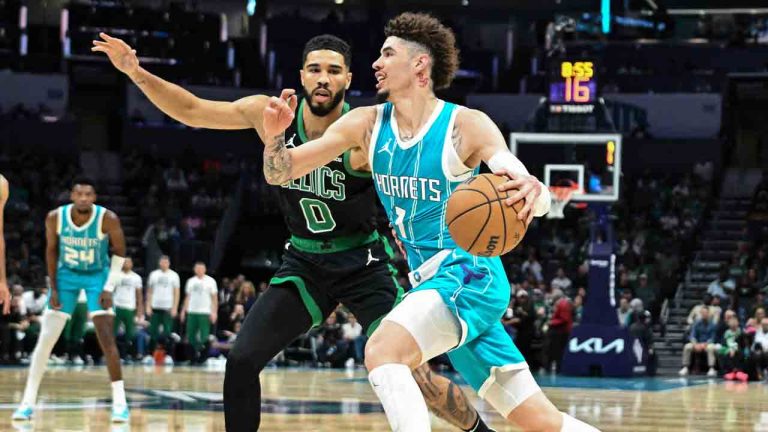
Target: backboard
[(593, 161)]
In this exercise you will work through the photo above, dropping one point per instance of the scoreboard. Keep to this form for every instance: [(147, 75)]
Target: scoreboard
[(572, 86)]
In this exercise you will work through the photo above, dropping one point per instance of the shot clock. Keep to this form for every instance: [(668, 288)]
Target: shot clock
[(572, 86)]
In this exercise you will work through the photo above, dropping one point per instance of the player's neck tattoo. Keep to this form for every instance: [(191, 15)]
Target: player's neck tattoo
[(277, 160)]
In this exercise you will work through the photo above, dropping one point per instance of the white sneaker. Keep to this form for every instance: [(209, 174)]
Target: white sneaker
[(78, 361), (350, 363), (168, 360), (683, 371), (711, 372), (148, 360)]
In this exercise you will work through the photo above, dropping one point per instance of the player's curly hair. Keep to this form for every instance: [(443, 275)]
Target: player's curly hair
[(439, 40)]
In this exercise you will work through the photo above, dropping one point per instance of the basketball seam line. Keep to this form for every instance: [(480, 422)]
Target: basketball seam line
[(503, 215), (487, 201), (485, 224)]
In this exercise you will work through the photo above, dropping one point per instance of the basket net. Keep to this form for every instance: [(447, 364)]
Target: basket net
[(561, 195)]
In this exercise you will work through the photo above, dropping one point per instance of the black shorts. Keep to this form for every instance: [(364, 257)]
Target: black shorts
[(362, 279)]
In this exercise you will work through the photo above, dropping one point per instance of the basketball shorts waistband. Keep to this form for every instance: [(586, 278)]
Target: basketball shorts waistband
[(428, 268)]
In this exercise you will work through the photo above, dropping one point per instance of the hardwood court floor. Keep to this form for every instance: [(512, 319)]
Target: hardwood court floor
[(189, 399)]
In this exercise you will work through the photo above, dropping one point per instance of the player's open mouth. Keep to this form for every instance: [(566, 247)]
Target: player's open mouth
[(322, 96), (379, 80)]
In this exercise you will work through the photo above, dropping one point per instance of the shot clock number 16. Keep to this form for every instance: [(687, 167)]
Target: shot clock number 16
[(577, 76)]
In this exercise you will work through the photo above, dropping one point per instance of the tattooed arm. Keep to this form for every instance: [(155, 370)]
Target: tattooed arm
[(445, 399), (352, 131)]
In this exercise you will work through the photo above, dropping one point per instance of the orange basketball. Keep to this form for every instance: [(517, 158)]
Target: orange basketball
[(479, 220)]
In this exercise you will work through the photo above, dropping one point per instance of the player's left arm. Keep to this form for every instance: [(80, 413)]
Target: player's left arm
[(112, 227), (5, 294), (477, 138)]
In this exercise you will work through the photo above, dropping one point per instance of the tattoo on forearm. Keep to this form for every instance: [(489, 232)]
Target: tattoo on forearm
[(445, 399), (277, 160)]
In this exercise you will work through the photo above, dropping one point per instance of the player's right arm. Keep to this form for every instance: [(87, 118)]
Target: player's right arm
[(52, 255), (177, 102), (281, 164)]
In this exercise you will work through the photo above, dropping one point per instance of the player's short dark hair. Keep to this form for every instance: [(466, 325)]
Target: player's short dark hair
[(200, 263), (83, 181), (439, 40), (165, 257), (331, 43)]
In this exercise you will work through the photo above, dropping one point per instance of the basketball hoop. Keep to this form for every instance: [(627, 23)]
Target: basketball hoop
[(561, 196)]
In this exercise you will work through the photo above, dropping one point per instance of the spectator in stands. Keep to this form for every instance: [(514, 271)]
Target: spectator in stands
[(175, 180), (524, 322), (247, 295), (723, 286), (702, 339), (641, 328), (623, 311), (165, 236), (533, 267), (561, 281), (708, 302), (731, 357), (648, 293), (352, 333), (744, 297), (560, 326), (331, 349), (578, 308), (759, 352)]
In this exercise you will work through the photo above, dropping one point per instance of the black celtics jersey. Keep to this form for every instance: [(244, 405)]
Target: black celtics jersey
[(331, 201)]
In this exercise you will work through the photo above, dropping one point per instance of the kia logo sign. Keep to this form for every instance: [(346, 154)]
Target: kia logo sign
[(596, 346)]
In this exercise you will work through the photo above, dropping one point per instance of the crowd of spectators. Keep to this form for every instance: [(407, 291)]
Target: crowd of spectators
[(548, 279), (730, 324), (182, 200)]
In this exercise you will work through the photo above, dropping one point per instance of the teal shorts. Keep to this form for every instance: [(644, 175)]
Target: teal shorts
[(69, 283), (476, 289)]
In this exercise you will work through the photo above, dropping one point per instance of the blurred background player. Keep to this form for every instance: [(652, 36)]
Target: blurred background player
[(341, 246), (201, 305), (129, 308), (163, 293), (79, 236)]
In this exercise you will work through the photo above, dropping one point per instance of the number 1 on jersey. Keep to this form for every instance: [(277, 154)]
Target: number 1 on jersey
[(400, 213)]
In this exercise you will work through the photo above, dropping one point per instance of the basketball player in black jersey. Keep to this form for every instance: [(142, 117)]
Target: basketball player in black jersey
[(334, 255)]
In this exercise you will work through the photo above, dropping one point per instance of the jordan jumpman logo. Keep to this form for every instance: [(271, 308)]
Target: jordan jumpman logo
[(469, 274), (371, 258)]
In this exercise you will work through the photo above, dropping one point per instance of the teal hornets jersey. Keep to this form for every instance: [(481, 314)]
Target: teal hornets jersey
[(82, 248), (413, 179)]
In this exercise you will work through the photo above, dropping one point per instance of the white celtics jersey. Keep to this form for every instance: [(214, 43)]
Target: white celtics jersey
[(200, 291), (125, 290), (163, 284)]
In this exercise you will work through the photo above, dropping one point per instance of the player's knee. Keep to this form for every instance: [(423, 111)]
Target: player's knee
[(244, 362)]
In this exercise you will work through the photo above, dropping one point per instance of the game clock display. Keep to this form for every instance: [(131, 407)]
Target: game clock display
[(572, 87)]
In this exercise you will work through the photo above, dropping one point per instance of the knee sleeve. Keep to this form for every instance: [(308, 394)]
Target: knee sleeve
[(505, 390)]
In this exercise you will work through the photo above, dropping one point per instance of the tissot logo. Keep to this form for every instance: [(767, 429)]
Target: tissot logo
[(596, 346)]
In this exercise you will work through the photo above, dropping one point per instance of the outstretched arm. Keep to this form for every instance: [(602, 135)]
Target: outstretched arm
[(177, 102), (281, 164), (477, 138)]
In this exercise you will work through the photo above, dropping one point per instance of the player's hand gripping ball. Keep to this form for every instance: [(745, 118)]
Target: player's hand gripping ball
[(478, 219)]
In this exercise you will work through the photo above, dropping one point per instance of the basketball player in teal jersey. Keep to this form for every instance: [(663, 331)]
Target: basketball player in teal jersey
[(79, 236), (419, 149), (5, 295), (334, 255)]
